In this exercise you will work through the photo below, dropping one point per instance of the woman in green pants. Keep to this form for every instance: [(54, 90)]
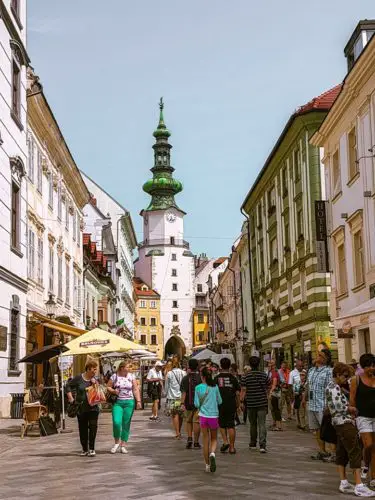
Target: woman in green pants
[(124, 385)]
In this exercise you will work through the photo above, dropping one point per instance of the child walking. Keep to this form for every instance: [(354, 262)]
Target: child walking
[(207, 400)]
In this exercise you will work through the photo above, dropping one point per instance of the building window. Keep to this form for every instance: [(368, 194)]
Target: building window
[(59, 203), (153, 340), (261, 259), (153, 321), (271, 201), (14, 334), (67, 286), (39, 172), (174, 287), (40, 261), (336, 174), (300, 223), (273, 250), (31, 255), (359, 264), (50, 191), (352, 153), (31, 159), (15, 222), (259, 215), (286, 236), (200, 336), (143, 339), (284, 181), (174, 272), (100, 316), (174, 256), (297, 165), (172, 240), (59, 276), (74, 226), (142, 304), (200, 318), (175, 318), (342, 284), (199, 288), (51, 269), (16, 91), (143, 321), (175, 303), (66, 215), (153, 304)]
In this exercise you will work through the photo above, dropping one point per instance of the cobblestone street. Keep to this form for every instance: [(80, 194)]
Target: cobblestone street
[(157, 467)]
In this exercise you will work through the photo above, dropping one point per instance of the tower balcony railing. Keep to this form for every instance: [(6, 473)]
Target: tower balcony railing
[(174, 242)]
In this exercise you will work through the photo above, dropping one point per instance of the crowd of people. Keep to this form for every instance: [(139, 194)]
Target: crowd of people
[(336, 402)]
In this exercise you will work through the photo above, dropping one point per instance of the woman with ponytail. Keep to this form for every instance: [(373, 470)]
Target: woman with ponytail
[(207, 400)]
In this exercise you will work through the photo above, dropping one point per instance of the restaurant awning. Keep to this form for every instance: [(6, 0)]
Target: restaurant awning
[(57, 325)]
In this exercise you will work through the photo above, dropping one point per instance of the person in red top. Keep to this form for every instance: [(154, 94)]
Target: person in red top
[(286, 395)]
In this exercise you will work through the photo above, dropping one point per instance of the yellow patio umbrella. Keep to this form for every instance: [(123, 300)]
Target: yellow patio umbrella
[(99, 341)]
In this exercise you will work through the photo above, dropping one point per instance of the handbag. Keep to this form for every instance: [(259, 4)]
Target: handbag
[(327, 431), (112, 398), (73, 409)]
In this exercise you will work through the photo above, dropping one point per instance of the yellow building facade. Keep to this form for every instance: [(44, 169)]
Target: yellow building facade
[(147, 326), (200, 327)]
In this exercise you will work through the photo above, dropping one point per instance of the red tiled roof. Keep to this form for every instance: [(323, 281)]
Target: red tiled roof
[(138, 284), (104, 261), (93, 247), (220, 260), (323, 101), (99, 256)]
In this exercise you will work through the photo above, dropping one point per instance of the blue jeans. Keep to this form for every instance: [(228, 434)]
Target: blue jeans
[(257, 419)]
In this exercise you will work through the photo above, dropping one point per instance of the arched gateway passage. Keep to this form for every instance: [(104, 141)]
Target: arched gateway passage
[(175, 345)]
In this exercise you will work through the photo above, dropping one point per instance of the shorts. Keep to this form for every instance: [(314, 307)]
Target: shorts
[(365, 424), (191, 416), (315, 420), (227, 417), (209, 422), (348, 448)]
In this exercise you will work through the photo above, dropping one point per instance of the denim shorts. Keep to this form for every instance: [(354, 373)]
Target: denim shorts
[(365, 424)]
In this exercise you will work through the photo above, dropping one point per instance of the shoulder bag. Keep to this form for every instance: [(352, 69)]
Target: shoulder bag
[(112, 398)]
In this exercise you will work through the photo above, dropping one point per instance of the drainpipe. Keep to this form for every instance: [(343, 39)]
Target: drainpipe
[(250, 274)]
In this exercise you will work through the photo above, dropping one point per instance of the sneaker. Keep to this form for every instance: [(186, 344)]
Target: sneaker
[(372, 483), (153, 418), (197, 446), (263, 450), (346, 487), (319, 456), (83, 453), (330, 459), (364, 472), (361, 490), (189, 443), (115, 447), (283, 419), (91, 453), (252, 446), (212, 462), (208, 468), (123, 450), (224, 448)]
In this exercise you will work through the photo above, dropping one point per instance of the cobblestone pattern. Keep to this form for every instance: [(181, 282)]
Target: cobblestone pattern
[(158, 467)]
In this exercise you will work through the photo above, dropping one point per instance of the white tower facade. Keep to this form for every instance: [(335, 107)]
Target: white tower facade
[(165, 261)]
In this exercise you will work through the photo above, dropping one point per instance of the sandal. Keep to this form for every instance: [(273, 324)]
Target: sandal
[(224, 448), (178, 437), (232, 452)]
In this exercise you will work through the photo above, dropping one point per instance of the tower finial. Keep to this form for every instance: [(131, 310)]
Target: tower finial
[(161, 104)]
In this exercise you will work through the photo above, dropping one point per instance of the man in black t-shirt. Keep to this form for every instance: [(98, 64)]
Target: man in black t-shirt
[(229, 388), (187, 386)]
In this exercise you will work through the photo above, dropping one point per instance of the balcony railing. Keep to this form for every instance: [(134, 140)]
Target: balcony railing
[(165, 241)]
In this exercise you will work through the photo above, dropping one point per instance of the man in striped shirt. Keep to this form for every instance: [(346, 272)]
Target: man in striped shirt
[(254, 394)]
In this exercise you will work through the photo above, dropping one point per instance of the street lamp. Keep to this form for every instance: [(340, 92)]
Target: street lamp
[(51, 306)]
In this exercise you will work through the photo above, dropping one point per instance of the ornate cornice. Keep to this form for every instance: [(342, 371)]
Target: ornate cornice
[(34, 219), (51, 239), (60, 246), (77, 267), (17, 168), (4, 14), (68, 257)]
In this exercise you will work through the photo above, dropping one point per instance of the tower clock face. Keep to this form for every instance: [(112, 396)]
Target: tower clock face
[(170, 216)]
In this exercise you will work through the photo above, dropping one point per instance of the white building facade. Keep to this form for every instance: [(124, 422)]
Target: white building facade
[(13, 198), (125, 240), (348, 138), (165, 261)]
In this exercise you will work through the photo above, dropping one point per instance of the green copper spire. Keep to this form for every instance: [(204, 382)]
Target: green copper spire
[(162, 187)]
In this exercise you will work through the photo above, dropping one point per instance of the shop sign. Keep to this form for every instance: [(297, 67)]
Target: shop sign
[(321, 236), (307, 345), (65, 362), (276, 345), (90, 343), (3, 338), (345, 335), (346, 327)]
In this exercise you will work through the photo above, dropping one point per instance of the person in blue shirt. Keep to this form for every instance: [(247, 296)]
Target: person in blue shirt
[(207, 400)]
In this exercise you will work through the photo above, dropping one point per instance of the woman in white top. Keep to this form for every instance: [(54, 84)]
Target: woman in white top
[(124, 385), (173, 393)]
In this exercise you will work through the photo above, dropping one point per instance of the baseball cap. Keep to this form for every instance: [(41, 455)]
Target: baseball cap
[(158, 363)]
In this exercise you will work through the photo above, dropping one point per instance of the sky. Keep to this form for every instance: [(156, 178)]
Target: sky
[(231, 74)]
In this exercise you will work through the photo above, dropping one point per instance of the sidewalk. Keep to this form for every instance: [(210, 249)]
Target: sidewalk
[(158, 467)]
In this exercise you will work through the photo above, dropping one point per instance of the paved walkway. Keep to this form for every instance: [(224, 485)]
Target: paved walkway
[(158, 467)]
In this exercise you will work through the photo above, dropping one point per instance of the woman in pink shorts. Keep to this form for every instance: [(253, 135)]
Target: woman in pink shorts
[(207, 400)]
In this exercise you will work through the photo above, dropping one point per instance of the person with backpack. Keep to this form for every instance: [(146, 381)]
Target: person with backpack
[(207, 400), (173, 393), (188, 385)]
